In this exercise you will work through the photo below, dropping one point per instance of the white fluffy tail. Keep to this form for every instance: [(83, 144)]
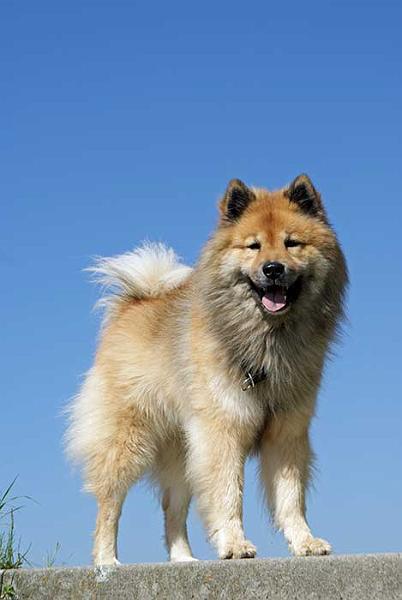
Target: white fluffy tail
[(147, 272)]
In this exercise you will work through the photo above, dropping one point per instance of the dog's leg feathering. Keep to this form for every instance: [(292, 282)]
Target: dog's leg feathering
[(285, 466), (175, 503), (116, 467), (215, 469)]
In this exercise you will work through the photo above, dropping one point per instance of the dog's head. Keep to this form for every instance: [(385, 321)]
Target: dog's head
[(278, 247)]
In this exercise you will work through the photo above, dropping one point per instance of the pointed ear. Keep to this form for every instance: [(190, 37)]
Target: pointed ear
[(302, 192), (236, 199)]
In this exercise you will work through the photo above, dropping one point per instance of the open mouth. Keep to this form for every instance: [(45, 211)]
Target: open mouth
[(275, 298), (278, 298)]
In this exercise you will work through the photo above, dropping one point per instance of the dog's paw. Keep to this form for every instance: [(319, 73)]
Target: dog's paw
[(101, 561), (312, 547), (183, 558), (104, 570), (241, 549)]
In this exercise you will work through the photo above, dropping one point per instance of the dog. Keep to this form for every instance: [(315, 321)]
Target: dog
[(197, 369)]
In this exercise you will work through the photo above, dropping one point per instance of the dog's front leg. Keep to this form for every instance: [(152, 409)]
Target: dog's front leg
[(285, 468), (215, 468)]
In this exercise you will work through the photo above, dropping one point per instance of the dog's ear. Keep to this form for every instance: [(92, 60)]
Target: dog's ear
[(236, 199), (302, 192)]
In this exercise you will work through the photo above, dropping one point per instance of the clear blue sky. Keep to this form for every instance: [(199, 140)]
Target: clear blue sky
[(124, 120)]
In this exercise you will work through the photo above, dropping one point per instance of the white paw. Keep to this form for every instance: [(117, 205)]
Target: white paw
[(239, 549), (103, 571), (177, 559), (312, 547), (106, 562)]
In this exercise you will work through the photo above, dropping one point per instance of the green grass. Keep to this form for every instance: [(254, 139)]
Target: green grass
[(11, 556), (50, 558)]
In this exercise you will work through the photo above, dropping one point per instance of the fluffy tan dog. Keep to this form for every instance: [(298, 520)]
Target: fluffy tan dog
[(197, 369)]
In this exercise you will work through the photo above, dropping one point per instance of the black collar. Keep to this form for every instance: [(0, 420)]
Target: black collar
[(252, 379)]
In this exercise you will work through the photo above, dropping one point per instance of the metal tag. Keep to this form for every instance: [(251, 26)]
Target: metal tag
[(248, 383)]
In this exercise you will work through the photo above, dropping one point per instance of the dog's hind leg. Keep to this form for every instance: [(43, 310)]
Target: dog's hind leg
[(176, 500), (105, 538), (118, 463)]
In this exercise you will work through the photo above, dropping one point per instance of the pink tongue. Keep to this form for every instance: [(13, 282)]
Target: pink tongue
[(274, 300)]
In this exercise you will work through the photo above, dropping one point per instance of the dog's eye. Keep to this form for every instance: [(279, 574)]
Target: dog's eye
[(254, 246), (289, 243)]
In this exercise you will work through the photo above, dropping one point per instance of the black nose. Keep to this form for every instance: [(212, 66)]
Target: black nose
[(273, 270)]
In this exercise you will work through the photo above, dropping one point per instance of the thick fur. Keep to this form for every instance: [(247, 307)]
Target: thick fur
[(164, 397)]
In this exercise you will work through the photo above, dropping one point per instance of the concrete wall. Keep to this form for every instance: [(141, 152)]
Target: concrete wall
[(366, 577)]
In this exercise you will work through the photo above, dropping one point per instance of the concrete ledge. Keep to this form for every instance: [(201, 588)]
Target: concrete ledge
[(364, 577)]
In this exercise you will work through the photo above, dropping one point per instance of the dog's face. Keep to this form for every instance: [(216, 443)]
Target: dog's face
[(279, 246)]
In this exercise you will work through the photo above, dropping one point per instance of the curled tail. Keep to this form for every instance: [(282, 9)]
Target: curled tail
[(147, 272)]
